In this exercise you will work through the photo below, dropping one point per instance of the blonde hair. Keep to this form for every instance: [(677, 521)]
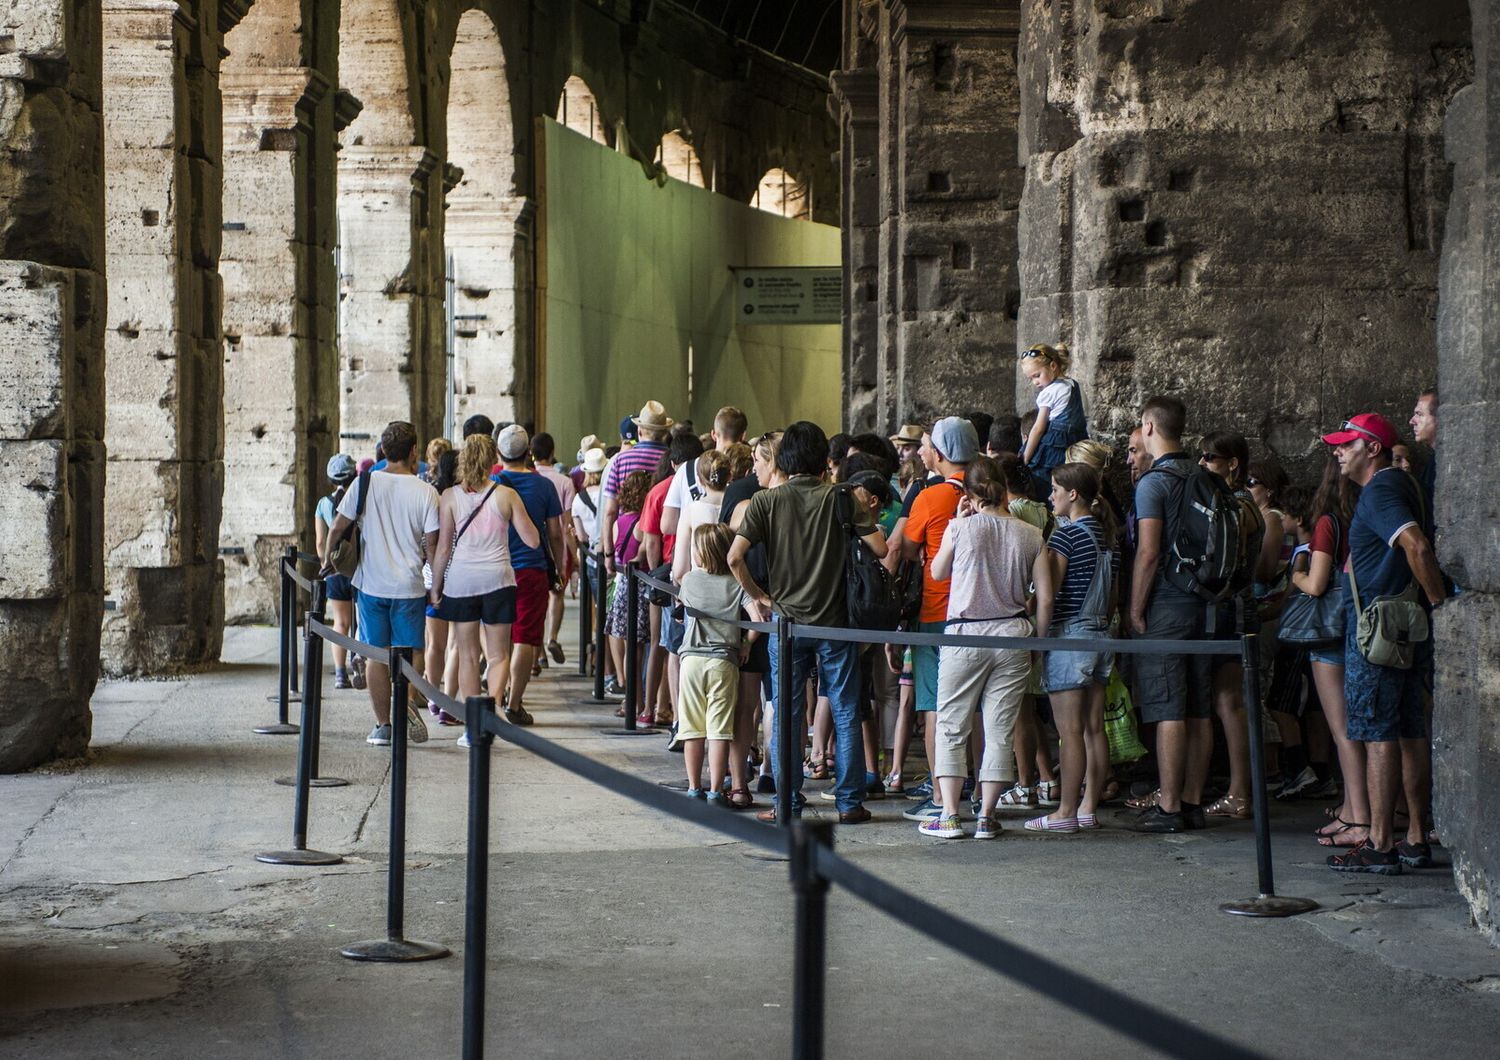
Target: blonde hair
[(713, 470), (436, 448), (711, 543), (1092, 452), (475, 460), (768, 446), (1057, 356), (741, 460)]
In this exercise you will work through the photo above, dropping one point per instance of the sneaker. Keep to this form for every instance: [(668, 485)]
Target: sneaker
[(927, 811), (874, 786), (673, 743), (356, 671), (1295, 786), (765, 784), (416, 728), (1327, 788), (1047, 793), (975, 805), (1414, 855), (463, 740), (1046, 824), (1087, 822), (1017, 797), (1157, 821), (941, 827), (696, 793), (858, 815), (920, 792), (614, 688), (1365, 858), (380, 736), (827, 795), (340, 679), (555, 650), (987, 828), (716, 798)]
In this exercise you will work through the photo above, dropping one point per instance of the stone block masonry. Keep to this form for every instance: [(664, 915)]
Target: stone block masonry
[(1240, 204), (52, 408)]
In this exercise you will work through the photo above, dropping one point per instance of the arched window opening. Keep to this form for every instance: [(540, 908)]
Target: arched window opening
[(579, 111), (781, 193), (680, 161)]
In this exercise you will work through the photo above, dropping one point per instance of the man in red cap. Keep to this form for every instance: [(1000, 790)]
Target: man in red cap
[(1388, 550)]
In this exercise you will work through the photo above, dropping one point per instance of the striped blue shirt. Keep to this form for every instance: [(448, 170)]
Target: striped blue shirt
[(1076, 540)]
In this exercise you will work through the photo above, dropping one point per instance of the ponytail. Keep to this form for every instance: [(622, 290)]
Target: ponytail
[(1086, 481)]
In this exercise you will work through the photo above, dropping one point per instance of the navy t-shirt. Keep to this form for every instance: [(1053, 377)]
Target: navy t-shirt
[(539, 496), (1390, 503)]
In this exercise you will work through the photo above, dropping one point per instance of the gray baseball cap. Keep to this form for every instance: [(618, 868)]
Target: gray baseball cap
[(341, 467), (956, 439)]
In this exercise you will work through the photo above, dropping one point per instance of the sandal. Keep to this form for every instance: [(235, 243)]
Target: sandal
[(1340, 838), (814, 771), (1144, 802), (519, 716), (1337, 825), (741, 799), (1230, 806)]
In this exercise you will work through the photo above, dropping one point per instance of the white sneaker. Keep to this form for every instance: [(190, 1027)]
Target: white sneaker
[(416, 728), (463, 741)]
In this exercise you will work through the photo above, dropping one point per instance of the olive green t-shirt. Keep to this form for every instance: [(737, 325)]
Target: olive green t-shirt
[(804, 543)]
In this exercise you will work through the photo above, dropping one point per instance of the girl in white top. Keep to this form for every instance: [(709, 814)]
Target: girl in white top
[(713, 476), (588, 501), (473, 584), (991, 556)]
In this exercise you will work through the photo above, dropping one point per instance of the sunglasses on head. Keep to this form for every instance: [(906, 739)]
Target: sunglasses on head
[(1350, 425), (1031, 353)]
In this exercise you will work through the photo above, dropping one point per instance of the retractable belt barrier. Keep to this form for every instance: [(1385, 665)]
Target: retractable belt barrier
[(808, 846)]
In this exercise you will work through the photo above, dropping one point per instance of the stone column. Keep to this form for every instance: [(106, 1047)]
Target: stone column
[(52, 406), (386, 287), (1466, 712), (280, 297), (856, 105), (1239, 204), (949, 200), (164, 367), (487, 282)]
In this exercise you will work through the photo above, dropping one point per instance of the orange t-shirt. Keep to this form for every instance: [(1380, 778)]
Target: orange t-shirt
[(931, 512)]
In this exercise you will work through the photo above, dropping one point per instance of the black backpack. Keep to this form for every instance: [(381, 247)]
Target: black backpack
[(873, 597), (1204, 556)]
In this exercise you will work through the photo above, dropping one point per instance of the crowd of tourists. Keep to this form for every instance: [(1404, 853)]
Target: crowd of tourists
[(987, 527)]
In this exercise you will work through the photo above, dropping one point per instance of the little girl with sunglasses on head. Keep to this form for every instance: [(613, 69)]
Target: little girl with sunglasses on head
[(1060, 419)]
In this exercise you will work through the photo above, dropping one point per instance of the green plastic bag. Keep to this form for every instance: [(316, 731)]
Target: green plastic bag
[(1119, 722)]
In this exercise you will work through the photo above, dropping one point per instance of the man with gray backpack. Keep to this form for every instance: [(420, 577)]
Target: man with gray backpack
[(1187, 566)]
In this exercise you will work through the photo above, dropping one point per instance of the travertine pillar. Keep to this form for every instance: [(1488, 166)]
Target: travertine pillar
[(164, 367), (52, 406), (949, 200), (280, 305), (392, 367), (481, 243), (1240, 204), (856, 103), (1466, 710)]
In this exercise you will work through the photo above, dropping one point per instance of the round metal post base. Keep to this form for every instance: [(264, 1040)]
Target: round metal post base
[(315, 782), (291, 698), (1269, 905), (644, 731), (277, 730), (298, 857), (393, 951)]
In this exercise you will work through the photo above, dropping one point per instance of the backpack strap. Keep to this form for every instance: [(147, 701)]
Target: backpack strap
[(472, 515), (588, 502), (364, 495), (695, 491)]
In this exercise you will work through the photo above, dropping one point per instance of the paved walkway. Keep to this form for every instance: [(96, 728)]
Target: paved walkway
[(135, 921)]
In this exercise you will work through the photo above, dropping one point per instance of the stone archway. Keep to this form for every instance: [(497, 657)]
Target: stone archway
[(488, 279), (578, 109)]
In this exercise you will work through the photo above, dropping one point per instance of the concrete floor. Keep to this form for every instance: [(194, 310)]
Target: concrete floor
[(134, 919)]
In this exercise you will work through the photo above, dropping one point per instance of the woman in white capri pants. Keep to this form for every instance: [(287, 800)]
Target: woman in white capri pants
[(993, 559)]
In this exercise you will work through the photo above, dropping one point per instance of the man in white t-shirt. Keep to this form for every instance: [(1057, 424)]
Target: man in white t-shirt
[(398, 530), (730, 425), (543, 454)]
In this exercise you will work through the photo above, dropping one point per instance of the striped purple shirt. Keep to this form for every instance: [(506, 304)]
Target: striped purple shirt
[(643, 456)]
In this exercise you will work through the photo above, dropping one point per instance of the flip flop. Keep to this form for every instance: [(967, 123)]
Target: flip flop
[(1331, 840)]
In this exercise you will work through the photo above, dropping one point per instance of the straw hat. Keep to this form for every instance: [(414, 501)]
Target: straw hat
[(594, 461), (590, 441), (653, 417), (909, 434)]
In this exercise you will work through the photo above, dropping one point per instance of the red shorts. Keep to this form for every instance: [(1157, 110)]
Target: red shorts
[(532, 596)]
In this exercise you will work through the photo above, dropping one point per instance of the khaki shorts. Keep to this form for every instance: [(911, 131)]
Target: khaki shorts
[(707, 691)]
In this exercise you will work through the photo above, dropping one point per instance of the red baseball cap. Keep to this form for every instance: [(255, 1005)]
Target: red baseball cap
[(1368, 425)]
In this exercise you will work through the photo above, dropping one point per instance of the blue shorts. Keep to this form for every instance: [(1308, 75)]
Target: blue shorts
[(924, 667), (388, 623), (1330, 656), (1385, 703), (338, 587), (1063, 671)]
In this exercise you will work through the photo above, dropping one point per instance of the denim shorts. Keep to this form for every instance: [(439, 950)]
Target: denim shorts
[(1385, 703), (339, 587), (1331, 656), (388, 623), (1063, 671)]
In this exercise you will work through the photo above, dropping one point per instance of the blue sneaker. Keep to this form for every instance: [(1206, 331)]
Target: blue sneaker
[(926, 811), (920, 792), (696, 793), (718, 798)]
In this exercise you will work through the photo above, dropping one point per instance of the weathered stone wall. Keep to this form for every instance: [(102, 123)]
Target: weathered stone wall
[(163, 363), (281, 114), (52, 406), (929, 106), (1466, 712), (1240, 203)]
